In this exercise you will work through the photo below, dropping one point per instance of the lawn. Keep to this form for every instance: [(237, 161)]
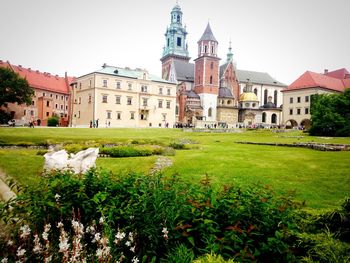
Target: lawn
[(321, 179)]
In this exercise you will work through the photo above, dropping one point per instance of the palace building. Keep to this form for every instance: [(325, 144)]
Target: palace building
[(212, 94), (51, 97), (123, 97)]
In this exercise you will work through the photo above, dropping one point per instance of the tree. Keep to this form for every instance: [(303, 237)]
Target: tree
[(14, 88), (330, 114)]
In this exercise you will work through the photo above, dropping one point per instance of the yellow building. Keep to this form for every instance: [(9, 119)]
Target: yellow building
[(123, 97)]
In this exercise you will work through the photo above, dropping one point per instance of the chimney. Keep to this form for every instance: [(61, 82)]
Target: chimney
[(325, 71), (104, 65)]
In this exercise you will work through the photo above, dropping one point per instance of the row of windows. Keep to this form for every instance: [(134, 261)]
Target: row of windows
[(273, 117), (306, 99), (56, 105), (298, 111), (129, 101), (131, 116), (56, 96)]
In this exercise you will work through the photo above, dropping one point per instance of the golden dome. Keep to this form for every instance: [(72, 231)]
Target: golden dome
[(248, 96)]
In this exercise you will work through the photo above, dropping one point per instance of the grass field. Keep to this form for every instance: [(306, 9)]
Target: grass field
[(321, 179)]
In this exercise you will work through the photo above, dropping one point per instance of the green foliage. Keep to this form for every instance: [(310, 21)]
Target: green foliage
[(244, 224), (211, 258), (177, 146), (53, 121), (14, 88), (134, 150), (330, 114), (4, 117)]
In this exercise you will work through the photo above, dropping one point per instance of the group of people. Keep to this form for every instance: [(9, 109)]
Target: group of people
[(94, 124)]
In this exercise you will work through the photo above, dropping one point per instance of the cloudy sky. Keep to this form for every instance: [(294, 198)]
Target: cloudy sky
[(282, 37)]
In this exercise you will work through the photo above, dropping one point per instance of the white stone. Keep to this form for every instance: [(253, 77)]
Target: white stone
[(79, 163)]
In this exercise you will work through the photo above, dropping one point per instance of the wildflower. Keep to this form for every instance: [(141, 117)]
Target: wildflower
[(57, 197), (20, 252), (10, 243), (97, 237), (45, 236), (119, 236), (132, 249), (128, 244), (48, 259), (135, 260), (59, 224), (25, 231), (90, 229), (4, 260), (131, 237), (37, 246), (102, 220), (165, 232), (47, 227)]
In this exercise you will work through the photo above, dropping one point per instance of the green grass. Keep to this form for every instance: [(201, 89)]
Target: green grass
[(321, 179)]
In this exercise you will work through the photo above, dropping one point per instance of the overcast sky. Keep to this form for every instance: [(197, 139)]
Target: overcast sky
[(282, 37)]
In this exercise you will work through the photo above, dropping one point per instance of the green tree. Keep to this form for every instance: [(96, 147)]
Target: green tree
[(330, 114), (14, 88)]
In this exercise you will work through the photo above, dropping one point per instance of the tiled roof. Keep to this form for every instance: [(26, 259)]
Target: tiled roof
[(129, 73), (192, 94), (41, 80), (225, 93), (208, 35), (338, 74), (257, 78), (311, 79), (184, 70)]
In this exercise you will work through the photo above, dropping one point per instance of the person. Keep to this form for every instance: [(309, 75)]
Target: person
[(90, 124), (167, 125), (97, 123), (109, 124)]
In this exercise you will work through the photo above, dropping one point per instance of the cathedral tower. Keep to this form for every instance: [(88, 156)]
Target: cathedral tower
[(206, 75), (175, 43)]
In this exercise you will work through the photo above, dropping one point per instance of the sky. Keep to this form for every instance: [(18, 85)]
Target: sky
[(284, 38)]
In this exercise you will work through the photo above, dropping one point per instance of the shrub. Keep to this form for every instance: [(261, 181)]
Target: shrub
[(177, 146), (126, 151), (53, 121), (163, 215)]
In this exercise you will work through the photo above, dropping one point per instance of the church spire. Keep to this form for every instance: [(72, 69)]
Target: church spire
[(229, 54)]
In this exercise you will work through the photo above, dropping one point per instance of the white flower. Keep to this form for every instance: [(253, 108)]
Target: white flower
[(165, 231), (47, 227), (59, 224), (4, 260), (37, 246), (119, 236), (10, 242), (20, 252), (90, 229), (135, 260), (99, 252), (57, 197), (48, 259), (102, 219), (131, 237), (97, 237), (132, 249), (45, 236), (25, 231), (128, 244)]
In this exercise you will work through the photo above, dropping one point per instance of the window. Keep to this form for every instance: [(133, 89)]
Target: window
[(143, 88), (274, 118), (264, 117), (306, 110), (168, 92), (129, 86), (290, 111), (256, 91), (160, 90), (119, 115), (47, 104), (56, 97), (56, 106), (168, 104), (80, 85), (61, 97), (177, 110), (164, 116), (51, 95), (290, 100), (275, 97), (212, 49), (104, 98), (109, 114), (143, 116), (78, 114), (31, 113), (178, 42), (210, 112), (90, 83), (25, 113), (33, 102), (66, 107), (265, 96), (160, 104), (211, 79), (298, 111), (205, 49), (144, 101), (117, 99), (104, 83), (129, 101), (61, 107), (66, 98), (298, 99), (306, 98), (47, 114), (89, 98), (132, 115), (168, 41), (118, 85)]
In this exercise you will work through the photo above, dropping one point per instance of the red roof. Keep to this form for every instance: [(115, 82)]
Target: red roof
[(311, 80), (338, 74), (41, 80)]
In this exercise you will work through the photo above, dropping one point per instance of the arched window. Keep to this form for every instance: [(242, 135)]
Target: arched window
[(205, 49), (256, 91), (264, 117), (210, 112), (178, 19), (265, 96), (211, 79), (274, 118), (275, 98), (177, 110)]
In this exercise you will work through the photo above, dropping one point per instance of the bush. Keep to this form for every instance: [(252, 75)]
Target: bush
[(53, 121), (150, 217), (177, 146)]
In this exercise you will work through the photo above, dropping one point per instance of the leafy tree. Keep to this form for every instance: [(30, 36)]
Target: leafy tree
[(14, 88), (330, 114)]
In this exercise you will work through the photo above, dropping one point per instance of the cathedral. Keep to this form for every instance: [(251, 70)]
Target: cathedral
[(214, 95)]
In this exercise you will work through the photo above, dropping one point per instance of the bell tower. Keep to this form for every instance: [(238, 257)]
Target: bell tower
[(206, 75), (175, 43)]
